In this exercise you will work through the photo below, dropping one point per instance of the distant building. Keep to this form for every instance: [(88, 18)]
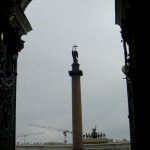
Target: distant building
[(95, 138)]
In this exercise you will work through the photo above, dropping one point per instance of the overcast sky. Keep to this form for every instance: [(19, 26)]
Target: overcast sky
[(44, 85)]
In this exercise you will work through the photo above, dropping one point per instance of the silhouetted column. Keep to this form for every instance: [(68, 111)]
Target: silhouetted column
[(76, 102), (13, 24), (134, 31)]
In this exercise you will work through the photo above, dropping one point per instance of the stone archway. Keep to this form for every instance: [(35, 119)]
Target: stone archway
[(13, 25)]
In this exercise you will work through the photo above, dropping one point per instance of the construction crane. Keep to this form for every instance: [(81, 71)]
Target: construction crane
[(28, 134), (64, 131)]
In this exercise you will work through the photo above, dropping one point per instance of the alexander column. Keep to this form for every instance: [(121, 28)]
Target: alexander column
[(75, 74)]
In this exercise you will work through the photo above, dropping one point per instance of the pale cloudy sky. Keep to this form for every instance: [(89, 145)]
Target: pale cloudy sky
[(44, 85)]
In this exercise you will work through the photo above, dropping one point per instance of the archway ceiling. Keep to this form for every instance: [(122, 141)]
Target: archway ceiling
[(24, 3)]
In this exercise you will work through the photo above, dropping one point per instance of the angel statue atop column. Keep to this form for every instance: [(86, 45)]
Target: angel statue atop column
[(75, 54)]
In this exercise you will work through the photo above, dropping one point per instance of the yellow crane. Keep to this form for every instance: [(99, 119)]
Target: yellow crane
[(28, 134), (64, 131)]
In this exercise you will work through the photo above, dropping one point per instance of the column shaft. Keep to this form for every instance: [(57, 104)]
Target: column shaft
[(76, 113)]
